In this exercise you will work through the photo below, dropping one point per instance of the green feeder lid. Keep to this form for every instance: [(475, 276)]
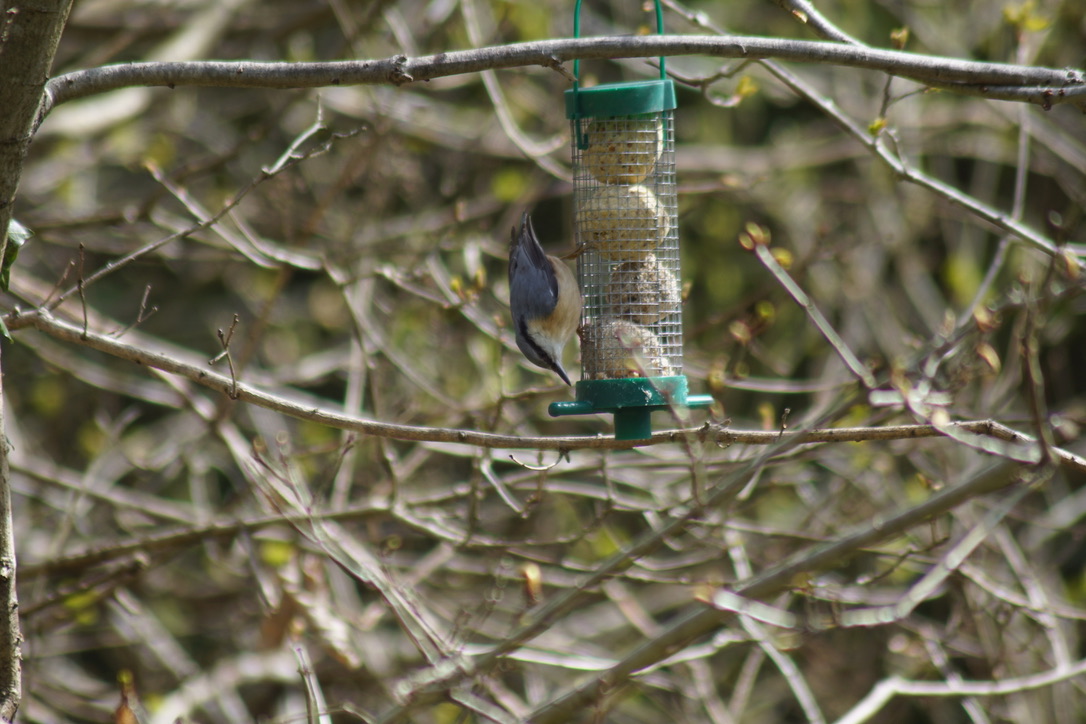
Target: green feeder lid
[(621, 99)]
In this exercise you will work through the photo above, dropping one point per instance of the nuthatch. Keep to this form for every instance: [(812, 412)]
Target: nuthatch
[(544, 299)]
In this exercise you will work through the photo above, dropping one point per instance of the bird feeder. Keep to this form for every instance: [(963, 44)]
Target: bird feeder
[(625, 226)]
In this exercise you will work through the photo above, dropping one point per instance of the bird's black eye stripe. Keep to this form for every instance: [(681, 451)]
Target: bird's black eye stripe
[(539, 351)]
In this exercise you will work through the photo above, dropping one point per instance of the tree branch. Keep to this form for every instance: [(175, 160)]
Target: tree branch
[(700, 620), (894, 686), (1042, 86), (29, 34), (1018, 447)]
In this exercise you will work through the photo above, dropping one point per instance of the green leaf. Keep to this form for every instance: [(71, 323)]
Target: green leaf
[(746, 87), (17, 236), (1025, 17)]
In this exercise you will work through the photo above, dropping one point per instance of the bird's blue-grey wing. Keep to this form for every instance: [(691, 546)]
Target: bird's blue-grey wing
[(534, 294)]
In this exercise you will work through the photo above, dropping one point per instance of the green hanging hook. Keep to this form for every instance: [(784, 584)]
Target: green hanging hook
[(573, 95), (577, 34)]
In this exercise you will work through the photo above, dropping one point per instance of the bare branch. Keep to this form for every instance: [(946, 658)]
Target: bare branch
[(45, 322), (696, 622), (29, 34), (897, 686), (1042, 86), (759, 244)]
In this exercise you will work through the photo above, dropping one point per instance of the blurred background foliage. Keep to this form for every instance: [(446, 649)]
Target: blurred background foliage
[(369, 276)]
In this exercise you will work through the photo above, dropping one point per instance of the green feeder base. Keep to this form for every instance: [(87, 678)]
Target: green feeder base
[(631, 400)]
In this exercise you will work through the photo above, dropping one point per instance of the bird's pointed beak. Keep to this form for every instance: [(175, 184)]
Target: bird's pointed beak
[(562, 373)]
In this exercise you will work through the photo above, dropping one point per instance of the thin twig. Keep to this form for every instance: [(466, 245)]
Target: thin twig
[(142, 315), (762, 251), (81, 286), (877, 145), (203, 223), (224, 340), (887, 689)]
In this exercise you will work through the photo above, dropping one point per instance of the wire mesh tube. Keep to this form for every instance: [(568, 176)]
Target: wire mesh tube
[(625, 224)]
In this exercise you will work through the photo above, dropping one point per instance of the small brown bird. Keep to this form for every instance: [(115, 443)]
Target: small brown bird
[(544, 299)]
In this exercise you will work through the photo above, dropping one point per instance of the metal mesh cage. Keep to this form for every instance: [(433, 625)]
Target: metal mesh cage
[(626, 227), (625, 224)]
